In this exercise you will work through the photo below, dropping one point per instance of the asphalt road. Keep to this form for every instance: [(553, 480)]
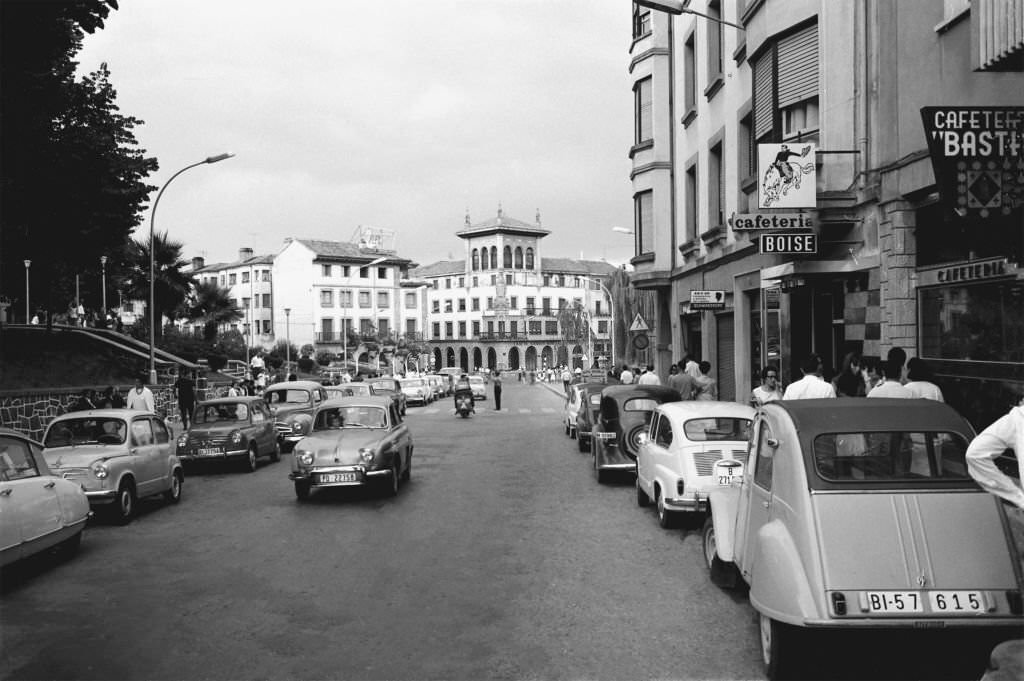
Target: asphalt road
[(502, 558)]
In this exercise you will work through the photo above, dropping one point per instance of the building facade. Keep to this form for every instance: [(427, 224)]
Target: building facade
[(506, 306), (898, 258), (250, 284)]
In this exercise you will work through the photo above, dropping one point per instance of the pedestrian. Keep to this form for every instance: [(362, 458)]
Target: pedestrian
[(233, 389), (184, 391), (626, 377), (681, 381), (35, 319), (849, 382), (811, 385), (649, 377), (898, 356), (577, 375), (691, 367), (80, 313), (705, 387), (921, 380), (566, 379), (72, 314), (890, 386), (111, 398), (86, 401), (496, 381), (141, 397), (869, 372), (769, 390)]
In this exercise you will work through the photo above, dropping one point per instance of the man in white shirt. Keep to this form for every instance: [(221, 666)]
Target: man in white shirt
[(626, 377), (140, 397), (649, 377), (812, 385), (691, 367), (890, 386), (1005, 433)]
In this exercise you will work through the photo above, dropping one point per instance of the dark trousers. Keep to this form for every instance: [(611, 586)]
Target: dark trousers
[(497, 398), (185, 411)]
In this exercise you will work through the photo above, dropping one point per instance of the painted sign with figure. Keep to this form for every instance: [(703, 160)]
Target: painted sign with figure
[(787, 177)]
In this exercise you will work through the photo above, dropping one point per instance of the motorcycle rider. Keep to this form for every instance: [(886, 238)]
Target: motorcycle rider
[(463, 389)]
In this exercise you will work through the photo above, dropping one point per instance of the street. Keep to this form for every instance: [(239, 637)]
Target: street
[(501, 559)]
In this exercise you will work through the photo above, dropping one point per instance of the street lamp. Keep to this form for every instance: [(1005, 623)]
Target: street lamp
[(623, 230), (611, 308), (676, 7), (28, 317), (152, 259), (287, 340), (373, 302), (103, 265)]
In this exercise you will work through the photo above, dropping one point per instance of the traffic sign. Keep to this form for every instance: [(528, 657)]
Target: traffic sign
[(641, 341), (639, 324), (707, 300)]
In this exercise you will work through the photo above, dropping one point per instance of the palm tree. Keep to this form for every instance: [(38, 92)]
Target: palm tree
[(172, 285), (212, 304)]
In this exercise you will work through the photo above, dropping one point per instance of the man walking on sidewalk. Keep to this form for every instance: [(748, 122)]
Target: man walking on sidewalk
[(497, 390)]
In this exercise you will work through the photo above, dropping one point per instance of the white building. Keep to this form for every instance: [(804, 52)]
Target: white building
[(250, 283)]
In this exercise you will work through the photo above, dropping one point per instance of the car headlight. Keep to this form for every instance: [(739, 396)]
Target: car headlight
[(367, 454), (236, 436), (296, 427), (304, 457), (183, 440), (100, 470)]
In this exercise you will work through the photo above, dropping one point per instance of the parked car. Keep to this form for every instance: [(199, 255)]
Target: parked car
[(117, 455), (40, 510), (293, 404), (438, 385), (355, 441), (479, 387), (417, 391), (239, 429), (451, 375), (389, 385), (691, 448), (586, 415), (348, 390), (625, 413), (571, 408), (860, 514)]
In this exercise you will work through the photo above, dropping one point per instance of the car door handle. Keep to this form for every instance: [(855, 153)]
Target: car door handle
[(766, 504), (6, 492), (49, 485)]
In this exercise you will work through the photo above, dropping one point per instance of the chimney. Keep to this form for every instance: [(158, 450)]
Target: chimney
[(244, 253), (198, 263)]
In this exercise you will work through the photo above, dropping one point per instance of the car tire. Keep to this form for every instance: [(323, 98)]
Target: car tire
[(302, 490), (123, 508), (777, 648), (666, 518), (173, 495), (723, 573), (275, 453), (642, 499), (249, 462)]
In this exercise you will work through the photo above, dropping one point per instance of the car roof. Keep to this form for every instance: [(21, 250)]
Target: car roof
[(624, 392), (233, 400), (21, 436), (382, 401), (853, 414), (285, 385), (106, 413), (695, 409)]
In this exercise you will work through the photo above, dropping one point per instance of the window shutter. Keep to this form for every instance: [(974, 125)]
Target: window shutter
[(798, 67), (763, 95)]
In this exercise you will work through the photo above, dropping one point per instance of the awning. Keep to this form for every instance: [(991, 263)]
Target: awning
[(796, 268)]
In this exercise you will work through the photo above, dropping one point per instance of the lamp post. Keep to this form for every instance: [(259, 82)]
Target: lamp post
[(103, 280), (28, 316), (611, 308), (373, 302), (152, 259), (287, 340)]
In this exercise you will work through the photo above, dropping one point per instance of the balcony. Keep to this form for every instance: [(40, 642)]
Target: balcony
[(501, 336)]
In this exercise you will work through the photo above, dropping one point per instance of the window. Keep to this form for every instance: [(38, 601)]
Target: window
[(476, 328), (448, 305), (641, 21), (514, 304), (800, 119), (436, 329), (534, 327), (383, 300), (327, 329), (232, 279), (551, 328), (462, 282), (366, 327), (494, 257), (266, 301), (531, 304), (562, 303), (327, 298), (434, 284), (513, 327), (462, 329), (507, 261), (545, 304), (246, 303), (643, 208), (602, 326), (714, 33), (233, 302), (494, 280), (490, 303), (982, 322), (661, 432), (501, 328), (266, 326), (382, 327), (747, 152), (903, 456), (364, 299), (476, 282), (345, 270), (519, 258), (382, 272), (689, 79), (691, 228), (475, 304), (325, 270), (643, 110), (763, 462), (364, 272), (716, 187), (448, 330), (486, 259), (508, 279), (462, 304), (222, 280), (448, 282), (597, 307), (245, 277), (266, 275), (476, 260), (436, 306), (410, 300), (490, 328), (785, 88), (529, 258), (410, 327), (17, 461), (344, 298)]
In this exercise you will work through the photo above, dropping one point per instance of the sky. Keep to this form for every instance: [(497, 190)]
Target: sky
[(398, 115)]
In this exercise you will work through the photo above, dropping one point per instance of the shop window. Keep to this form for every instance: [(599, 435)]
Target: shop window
[(979, 322)]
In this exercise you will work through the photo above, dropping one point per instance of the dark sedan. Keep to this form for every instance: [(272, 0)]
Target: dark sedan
[(390, 386), (586, 415), (232, 428), (624, 414)]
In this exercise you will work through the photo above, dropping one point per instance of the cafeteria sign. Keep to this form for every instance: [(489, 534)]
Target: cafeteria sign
[(978, 157)]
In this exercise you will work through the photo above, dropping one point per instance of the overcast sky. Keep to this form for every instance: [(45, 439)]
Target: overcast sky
[(398, 115)]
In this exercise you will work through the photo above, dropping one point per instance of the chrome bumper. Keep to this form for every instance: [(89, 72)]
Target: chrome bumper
[(698, 503)]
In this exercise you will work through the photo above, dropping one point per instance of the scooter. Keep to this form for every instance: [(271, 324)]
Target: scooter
[(464, 403)]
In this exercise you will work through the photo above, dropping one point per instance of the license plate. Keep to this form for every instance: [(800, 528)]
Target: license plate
[(209, 451), (894, 601), (956, 601), (727, 471), (337, 477)]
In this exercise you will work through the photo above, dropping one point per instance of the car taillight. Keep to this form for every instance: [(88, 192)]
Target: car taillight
[(680, 487), (838, 603)]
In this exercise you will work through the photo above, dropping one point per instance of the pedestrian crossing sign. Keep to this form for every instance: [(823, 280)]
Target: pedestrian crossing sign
[(639, 324)]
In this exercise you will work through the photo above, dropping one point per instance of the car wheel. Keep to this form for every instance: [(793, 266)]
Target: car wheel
[(777, 648), (723, 573), (275, 453), (666, 518), (301, 490), (642, 499), (566, 428), (123, 508), (173, 495), (249, 462)]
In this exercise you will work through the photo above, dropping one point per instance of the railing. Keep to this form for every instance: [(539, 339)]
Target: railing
[(501, 336)]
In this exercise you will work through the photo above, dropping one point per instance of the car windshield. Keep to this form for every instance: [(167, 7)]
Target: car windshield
[(640, 404), (388, 384), (86, 431), (717, 428), (413, 382), (336, 418), (476, 380), (290, 396), (221, 413), (897, 456)]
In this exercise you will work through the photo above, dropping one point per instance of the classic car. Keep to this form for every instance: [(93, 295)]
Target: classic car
[(417, 391), (479, 387), (625, 413), (691, 448), (40, 511), (451, 375), (293, 403), (571, 408), (118, 456), (231, 428), (348, 390), (355, 441), (860, 514), (586, 415), (438, 385), (390, 386)]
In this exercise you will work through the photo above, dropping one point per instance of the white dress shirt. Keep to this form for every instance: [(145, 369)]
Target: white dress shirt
[(925, 389), (889, 388), (1005, 433), (809, 387), (140, 399)]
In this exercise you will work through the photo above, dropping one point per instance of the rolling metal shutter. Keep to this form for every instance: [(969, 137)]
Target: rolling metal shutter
[(763, 107), (726, 360), (798, 67)]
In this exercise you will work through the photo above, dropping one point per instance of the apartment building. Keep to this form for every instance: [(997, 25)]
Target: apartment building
[(250, 283), (917, 228)]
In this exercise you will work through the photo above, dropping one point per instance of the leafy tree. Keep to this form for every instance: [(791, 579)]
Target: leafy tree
[(307, 350), (212, 304), (172, 285), (574, 322), (324, 358), (74, 177), (627, 302)]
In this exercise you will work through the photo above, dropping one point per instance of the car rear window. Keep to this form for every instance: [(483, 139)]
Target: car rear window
[(595, 399), (717, 428), (287, 397), (896, 456), (220, 413), (413, 382), (640, 404), (86, 431)]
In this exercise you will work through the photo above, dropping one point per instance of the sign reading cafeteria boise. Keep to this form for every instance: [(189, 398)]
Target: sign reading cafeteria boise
[(787, 177)]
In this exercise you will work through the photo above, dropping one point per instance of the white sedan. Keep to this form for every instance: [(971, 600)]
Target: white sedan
[(689, 449), (479, 387)]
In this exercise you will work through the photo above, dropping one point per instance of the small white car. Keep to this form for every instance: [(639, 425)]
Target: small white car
[(479, 387), (691, 448), (417, 391)]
